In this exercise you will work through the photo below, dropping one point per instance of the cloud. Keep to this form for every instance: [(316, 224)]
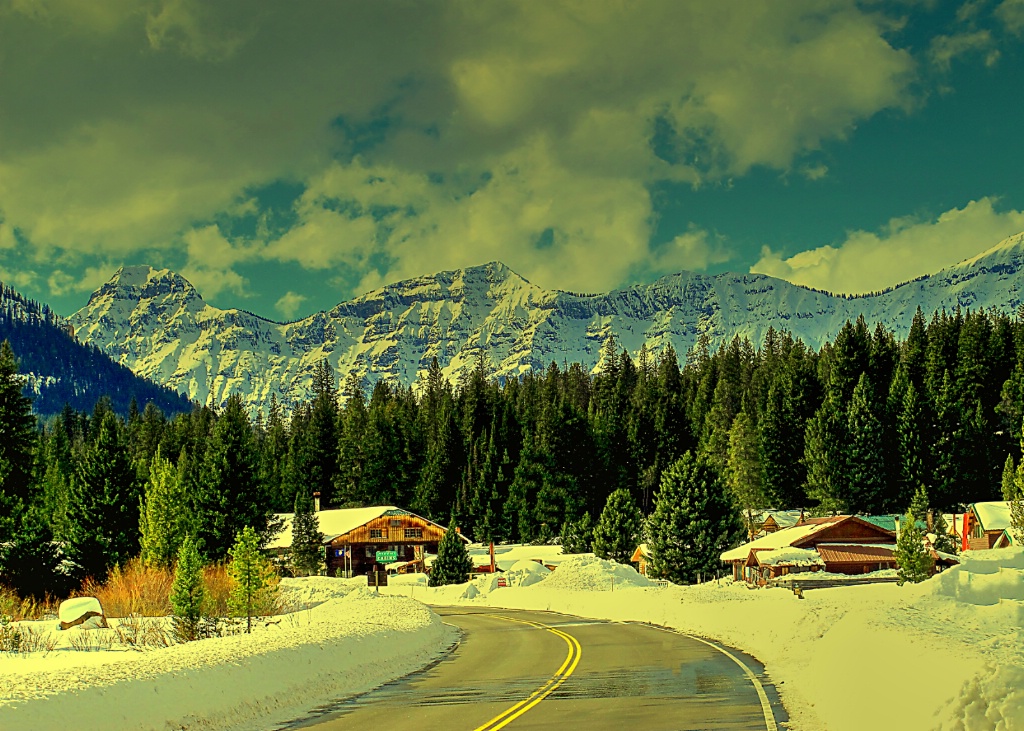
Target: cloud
[(289, 304), (184, 106), (1011, 13), (211, 258), (907, 248), (61, 282), (944, 48)]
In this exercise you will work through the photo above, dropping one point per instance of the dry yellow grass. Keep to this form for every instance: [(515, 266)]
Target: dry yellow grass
[(134, 588), (13, 606)]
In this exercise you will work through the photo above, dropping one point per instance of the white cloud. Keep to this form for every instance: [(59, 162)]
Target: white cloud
[(289, 304), (1011, 12), (210, 260), (61, 283), (185, 106), (907, 248)]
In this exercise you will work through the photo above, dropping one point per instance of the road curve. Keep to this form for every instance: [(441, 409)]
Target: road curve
[(521, 670)]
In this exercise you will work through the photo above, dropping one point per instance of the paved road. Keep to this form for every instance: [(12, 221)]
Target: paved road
[(540, 670)]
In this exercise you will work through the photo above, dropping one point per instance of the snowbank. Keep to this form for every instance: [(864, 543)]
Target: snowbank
[(344, 646), (945, 654)]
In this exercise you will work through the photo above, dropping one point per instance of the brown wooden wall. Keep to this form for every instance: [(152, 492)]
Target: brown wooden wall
[(391, 533), (848, 531)]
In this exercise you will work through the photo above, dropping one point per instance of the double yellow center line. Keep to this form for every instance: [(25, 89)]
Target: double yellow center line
[(567, 668)]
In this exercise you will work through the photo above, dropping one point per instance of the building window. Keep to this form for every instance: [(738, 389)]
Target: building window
[(376, 532), (395, 523), (413, 532), (371, 552)]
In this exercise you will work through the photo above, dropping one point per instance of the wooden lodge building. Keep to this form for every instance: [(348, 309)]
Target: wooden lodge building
[(353, 536), (842, 544)]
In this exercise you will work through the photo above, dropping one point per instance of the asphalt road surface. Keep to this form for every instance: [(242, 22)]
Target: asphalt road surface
[(541, 670)]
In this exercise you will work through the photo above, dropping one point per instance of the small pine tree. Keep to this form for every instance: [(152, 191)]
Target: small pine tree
[(619, 528), (577, 535), (307, 540), (252, 578), (1009, 482), (913, 563), (453, 564), (187, 592), (1017, 520), (919, 505)]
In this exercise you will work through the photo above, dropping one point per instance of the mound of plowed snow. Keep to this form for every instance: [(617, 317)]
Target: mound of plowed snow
[(590, 573)]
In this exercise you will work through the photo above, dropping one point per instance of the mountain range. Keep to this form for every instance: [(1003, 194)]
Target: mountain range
[(156, 323)]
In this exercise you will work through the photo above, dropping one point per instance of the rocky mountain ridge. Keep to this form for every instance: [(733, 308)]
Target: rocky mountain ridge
[(155, 322)]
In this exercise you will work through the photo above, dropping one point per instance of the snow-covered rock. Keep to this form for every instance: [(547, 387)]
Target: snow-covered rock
[(84, 611), (156, 323)]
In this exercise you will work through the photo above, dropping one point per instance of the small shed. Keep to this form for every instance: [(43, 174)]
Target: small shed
[(642, 558)]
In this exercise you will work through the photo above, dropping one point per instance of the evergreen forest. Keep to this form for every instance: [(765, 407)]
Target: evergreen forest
[(859, 426)]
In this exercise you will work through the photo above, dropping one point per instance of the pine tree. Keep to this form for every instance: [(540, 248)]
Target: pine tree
[(1009, 481), (619, 529), (865, 453), (919, 505), (163, 518), (453, 564), (307, 540), (824, 457), (1017, 519), (744, 470), (694, 520), (188, 592), (104, 515), (781, 443), (577, 535), (253, 579), (913, 563), (944, 541), (229, 495), (17, 444)]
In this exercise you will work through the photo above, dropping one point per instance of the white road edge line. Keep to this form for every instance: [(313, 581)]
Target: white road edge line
[(766, 709)]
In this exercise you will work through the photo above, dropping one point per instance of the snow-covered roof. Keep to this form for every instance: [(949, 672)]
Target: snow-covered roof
[(334, 523), (781, 538), (994, 515), (789, 556), (783, 518), (506, 555)]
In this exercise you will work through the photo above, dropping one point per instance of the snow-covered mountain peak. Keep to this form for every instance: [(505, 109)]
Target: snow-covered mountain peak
[(156, 323)]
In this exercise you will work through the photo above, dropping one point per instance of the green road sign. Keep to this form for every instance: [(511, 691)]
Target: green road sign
[(387, 556)]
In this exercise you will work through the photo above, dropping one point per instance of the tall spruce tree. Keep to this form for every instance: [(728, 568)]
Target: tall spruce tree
[(744, 473), (619, 529), (694, 520), (229, 495), (578, 535), (103, 520), (164, 518), (17, 444), (781, 443), (453, 564), (307, 540), (1009, 479), (865, 453)]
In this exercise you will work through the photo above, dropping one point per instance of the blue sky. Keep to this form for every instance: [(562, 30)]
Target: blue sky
[(288, 156)]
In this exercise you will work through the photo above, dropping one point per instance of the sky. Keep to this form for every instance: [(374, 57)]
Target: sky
[(285, 157)]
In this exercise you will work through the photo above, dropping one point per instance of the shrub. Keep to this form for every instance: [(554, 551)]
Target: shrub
[(135, 588)]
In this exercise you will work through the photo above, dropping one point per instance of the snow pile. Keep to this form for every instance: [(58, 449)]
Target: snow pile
[(289, 664), (789, 556), (526, 573), (590, 573), (310, 591)]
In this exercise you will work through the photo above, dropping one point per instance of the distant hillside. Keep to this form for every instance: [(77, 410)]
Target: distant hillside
[(60, 370)]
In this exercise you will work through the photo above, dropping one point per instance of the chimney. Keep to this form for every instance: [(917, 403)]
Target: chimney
[(316, 502)]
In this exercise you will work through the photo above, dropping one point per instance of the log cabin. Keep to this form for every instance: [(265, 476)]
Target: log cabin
[(353, 536), (841, 544)]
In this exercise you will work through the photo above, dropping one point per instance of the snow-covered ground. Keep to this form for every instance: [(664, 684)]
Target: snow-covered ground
[(342, 639), (945, 654)]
